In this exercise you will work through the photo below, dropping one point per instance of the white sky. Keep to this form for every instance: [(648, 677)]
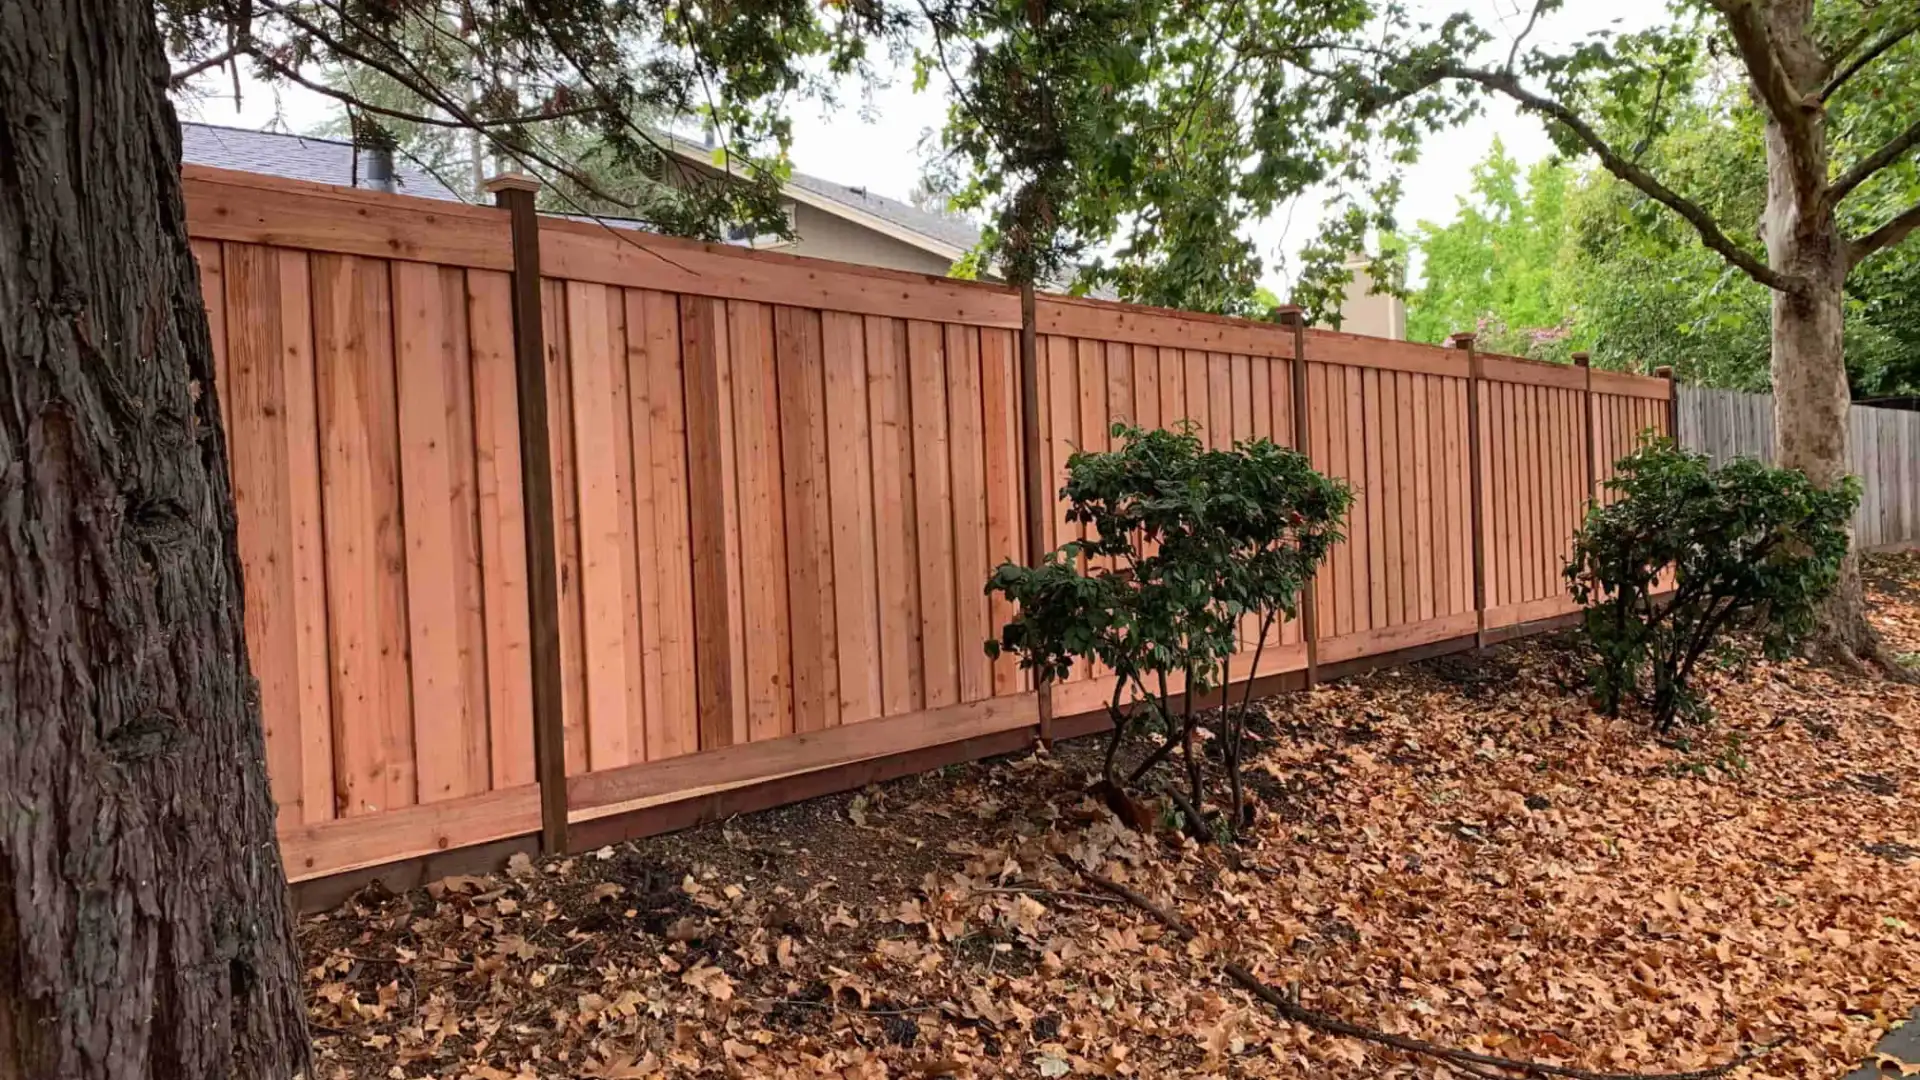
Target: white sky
[(875, 142)]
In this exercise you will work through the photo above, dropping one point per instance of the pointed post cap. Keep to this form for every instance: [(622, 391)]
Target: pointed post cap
[(1581, 359), (511, 181), (1462, 340)]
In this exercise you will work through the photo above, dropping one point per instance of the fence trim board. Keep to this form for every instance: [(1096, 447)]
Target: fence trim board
[(1514, 369), (613, 791), (333, 847), (637, 260), (248, 208), (1136, 325), (1382, 354)]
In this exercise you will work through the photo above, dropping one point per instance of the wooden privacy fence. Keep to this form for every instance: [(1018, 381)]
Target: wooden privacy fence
[(776, 488), (1883, 450)]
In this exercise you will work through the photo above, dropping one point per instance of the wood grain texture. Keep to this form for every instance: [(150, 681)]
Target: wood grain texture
[(366, 551), (933, 512), (653, 325), (446, 628), (503, 541), (714, 547), (800, 355), (557, 345), (966, 428), (764, 608), (896, 516), (1005, 487), (270, 422), (850, 468)]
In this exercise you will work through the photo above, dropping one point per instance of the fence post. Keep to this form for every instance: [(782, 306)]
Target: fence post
[(1584, 362), (515, 192), (1035, 454), (1464, 343), (1673, 402), (1309, 617)]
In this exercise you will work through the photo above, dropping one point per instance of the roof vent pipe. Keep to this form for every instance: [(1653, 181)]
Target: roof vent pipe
[(375, 166)]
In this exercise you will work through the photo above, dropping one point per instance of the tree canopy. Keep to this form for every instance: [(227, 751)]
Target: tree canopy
[(1574, 258)]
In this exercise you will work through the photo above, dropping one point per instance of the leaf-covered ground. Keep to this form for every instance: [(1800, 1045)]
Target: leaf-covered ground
[(1460, 850)]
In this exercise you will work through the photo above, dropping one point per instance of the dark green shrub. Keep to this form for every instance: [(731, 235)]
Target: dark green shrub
[(1183, 543), (1747, 545)]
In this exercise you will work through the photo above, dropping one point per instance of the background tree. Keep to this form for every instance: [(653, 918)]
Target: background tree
[(1629, 282), (1496, 267), (1205, 115), (1825, 80)]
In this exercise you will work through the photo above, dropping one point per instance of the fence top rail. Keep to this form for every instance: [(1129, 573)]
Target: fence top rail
[(593, 252), (1626, 384), (1355, 350), (244, 207)]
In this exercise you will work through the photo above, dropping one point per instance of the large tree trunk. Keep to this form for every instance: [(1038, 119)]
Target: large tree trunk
[(1810, 395), (144, 929)]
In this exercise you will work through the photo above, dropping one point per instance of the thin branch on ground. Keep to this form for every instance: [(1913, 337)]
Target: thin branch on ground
[(1132, 896), (1453, 1056)]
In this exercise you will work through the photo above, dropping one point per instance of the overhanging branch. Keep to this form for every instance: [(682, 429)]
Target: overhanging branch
[(1869, 55), (1873, 163), (1885, 236), (1709, 230)]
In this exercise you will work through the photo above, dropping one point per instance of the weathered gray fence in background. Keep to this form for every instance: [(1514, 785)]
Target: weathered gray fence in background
[(1883, 445)]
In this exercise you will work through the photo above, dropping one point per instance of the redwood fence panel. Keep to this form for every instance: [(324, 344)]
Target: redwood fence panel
[(778, 487)]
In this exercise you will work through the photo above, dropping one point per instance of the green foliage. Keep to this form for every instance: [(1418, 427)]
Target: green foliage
[(1498, 260), (1746, 545), (1587, 261), (1182, 542), (563, 89), (1133, 141)]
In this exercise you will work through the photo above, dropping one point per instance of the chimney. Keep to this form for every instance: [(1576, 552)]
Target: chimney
[(374, 166)]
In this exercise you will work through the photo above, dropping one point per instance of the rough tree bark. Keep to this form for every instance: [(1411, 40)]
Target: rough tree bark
[(144, 928)]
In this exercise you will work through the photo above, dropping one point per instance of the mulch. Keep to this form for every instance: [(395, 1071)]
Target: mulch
[(1461, 851)]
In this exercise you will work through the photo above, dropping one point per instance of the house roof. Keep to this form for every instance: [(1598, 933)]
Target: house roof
[(296, 157), (945, 234)]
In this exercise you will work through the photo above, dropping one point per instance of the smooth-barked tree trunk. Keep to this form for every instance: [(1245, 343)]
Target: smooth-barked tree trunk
[(1809, 372), (143, 921)]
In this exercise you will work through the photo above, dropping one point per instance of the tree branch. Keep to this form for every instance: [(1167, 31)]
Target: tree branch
[(218, 59), (1465, 1060), (1894, 150), (1893, 37), (1710, 232), (1885, 236)]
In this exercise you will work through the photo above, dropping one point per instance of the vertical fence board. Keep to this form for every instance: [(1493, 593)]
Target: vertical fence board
[(967, 442), (850, 469), (762, 512), (566, 522), (896, 517), (809, 524), (262, 443), (445, 636), (1005, 488), (503, 541), (715, 548), (933, 506), (597, 494), (360, 492)]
